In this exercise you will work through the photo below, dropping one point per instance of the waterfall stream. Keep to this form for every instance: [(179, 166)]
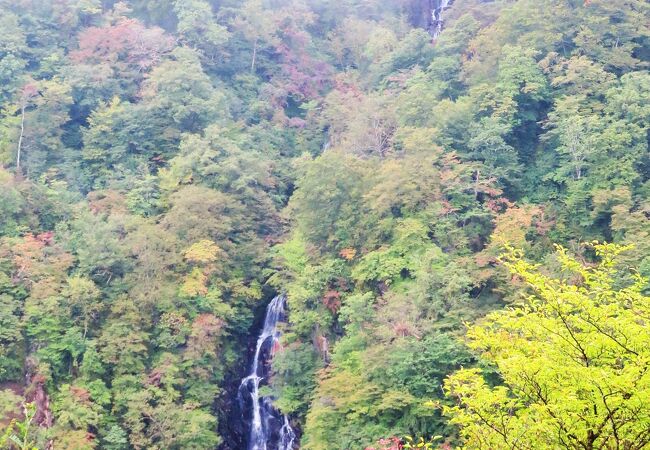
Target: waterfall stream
[(269, 429), (437, 21)]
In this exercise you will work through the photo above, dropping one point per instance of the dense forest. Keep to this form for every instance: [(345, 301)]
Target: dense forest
[(453, 196)]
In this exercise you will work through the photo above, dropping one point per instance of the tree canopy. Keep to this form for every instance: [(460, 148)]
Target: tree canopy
[(167, 167)]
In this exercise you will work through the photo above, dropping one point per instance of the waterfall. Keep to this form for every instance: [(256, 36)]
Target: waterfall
[(269, 429), (437, 21)]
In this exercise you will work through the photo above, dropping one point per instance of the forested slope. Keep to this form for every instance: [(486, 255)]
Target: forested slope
[(166, 167)]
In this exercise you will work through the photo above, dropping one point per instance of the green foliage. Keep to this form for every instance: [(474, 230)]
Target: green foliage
[(198, 28), (328, 199), (18, 434), (293, 381)]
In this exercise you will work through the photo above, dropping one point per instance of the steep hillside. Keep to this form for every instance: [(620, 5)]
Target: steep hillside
[(170, 166)]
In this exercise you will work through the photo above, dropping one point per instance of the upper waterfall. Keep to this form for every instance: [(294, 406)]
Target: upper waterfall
[(437, 20)]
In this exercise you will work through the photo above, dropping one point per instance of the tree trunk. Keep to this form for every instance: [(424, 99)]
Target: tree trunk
[(254, 56), (22, 133)]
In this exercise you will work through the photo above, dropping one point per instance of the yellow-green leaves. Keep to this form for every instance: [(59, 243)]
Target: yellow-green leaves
[(204, 251), (203, 255), (420, 442), (195, 284), (573, 357)]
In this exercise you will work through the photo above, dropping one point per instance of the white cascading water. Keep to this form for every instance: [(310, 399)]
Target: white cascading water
[(269, 430), (437, 21)]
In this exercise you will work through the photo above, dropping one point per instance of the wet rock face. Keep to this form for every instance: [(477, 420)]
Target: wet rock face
[(427, 14), (234, 430), (36, 393), (420, 12)]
